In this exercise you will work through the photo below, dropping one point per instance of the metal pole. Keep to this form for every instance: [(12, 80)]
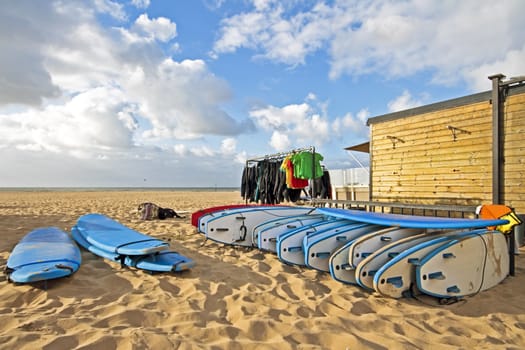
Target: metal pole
[(496, 144)]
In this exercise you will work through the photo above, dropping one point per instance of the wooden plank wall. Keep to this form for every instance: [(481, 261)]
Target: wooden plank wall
[(417, 160), (514, 153)]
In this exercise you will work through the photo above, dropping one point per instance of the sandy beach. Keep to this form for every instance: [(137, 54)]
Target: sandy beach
[(234, 298)]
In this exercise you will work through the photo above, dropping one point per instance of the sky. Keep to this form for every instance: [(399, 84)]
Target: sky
[(179, 93)]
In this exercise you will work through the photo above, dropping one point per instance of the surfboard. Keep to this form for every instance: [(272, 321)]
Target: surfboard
[(236, 227), (293, 221), (367, 268), (201, 217), (340, 268), (368, 244), (43, 254), (464, 266), (398, 275), (163, 261), (290, 248), (268, 232), (410, 221), (319, 247), (195, 216), (110, 235), (204, 219)]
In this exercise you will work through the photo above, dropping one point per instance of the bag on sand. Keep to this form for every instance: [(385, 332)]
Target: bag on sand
[(151, 211)]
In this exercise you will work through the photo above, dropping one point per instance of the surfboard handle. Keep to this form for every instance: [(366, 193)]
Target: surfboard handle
[(413, 261), (295, 249), (243, 230), (453, 289), (435, 276), (346, 267), (395, 281), (64, 267)]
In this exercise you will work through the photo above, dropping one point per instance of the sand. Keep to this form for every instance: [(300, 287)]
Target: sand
[(234, 298)]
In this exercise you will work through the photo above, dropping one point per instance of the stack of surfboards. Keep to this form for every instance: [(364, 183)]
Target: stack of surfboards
[(387, 253), (110, 239), (43, 254)]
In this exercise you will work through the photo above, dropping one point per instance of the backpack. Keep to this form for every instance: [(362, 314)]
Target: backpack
[(148, 211), (151, 211)]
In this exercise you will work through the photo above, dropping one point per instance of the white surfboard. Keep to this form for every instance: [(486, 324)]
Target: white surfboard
[(290, 245), (340, 268), (367, 245), (236, 227), (366, 269), (266, 233), (204, 219), (319, 248), (465, 266), (398, 275)]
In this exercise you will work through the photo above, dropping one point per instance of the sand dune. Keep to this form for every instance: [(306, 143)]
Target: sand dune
[(234, 298)]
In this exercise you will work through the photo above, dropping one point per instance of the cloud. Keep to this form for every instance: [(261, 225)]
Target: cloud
[(160, 28), (280, 141), (403, 101), (511, 65), (112, 8), (350, 124), (141, 4), (294, 124), (228, 146), (99, 122), (449, 40), (275, 37), (65, 71)]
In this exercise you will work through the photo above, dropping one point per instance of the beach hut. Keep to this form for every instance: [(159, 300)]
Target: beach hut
[(461, 152)]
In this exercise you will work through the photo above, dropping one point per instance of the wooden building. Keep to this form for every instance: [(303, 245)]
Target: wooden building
[(465, 151)]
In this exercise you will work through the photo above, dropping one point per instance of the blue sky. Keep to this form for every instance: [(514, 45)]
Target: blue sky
[(182, 92)]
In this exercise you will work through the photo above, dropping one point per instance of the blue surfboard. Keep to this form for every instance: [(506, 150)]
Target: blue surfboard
[(410, 221), (163, 261), (111, 236), (43, 254)]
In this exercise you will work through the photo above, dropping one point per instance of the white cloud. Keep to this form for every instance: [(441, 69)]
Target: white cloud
[(93, 123), (280, 141), (112, 8), (294, 124), (160, 28), (141, 4), (63, 61), (180, 149), (203, 151), (275, 118), (454, 41), (268, 30), (512, 65), (228, 146), (403, 101), (350, 124)]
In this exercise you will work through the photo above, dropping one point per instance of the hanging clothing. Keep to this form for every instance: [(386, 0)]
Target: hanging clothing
[(292, 181), (274, 180), (322, 185), (307, 165)]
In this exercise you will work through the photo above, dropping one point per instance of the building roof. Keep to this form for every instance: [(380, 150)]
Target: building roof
[(455, 102), (362, 147)]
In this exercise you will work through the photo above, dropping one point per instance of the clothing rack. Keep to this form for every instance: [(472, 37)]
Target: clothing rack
[(282, 155)]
